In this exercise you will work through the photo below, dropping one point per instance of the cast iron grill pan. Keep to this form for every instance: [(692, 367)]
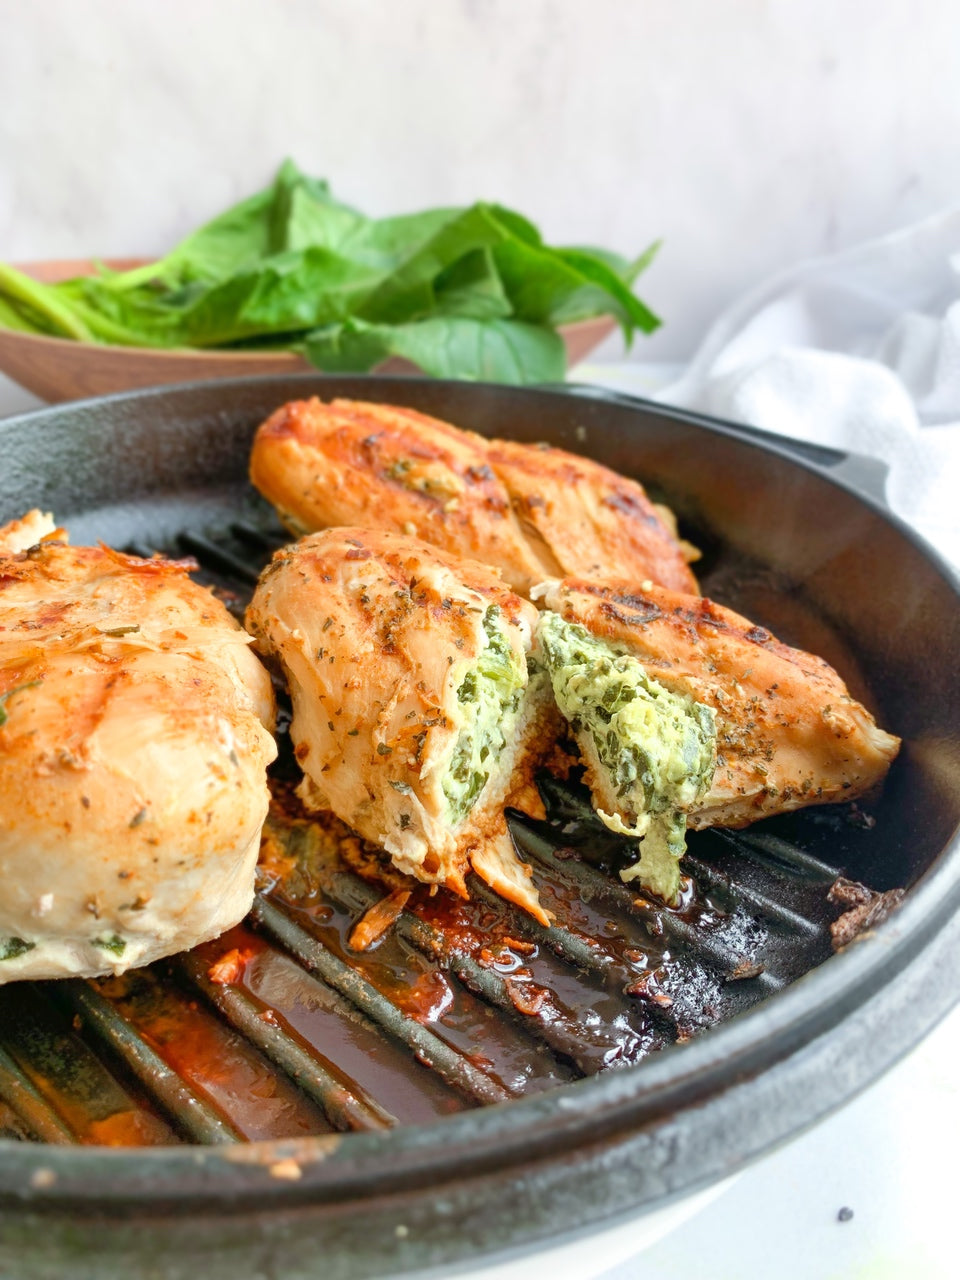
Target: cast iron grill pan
[(458, 1006), (280, 1029)]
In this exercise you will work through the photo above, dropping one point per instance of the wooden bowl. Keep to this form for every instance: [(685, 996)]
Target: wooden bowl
[(63, 369)]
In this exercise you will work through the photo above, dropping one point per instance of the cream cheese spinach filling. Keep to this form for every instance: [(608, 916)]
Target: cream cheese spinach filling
[(652, 751), (489, 698)]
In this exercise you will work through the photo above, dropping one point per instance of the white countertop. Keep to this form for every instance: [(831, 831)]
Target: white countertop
[(889, 1156)]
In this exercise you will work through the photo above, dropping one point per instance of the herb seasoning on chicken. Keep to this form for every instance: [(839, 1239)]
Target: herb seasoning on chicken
[(414, 716)]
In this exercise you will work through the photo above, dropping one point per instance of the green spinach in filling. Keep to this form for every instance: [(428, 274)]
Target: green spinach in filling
[(11, 948), (489, 697), (656, 749)]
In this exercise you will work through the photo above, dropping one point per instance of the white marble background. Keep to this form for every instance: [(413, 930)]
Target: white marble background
[(747, 134)]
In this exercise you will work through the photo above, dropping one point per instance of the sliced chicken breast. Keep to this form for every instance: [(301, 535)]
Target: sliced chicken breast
[(413, 711), (689, 715), (134, 739), (532, 512)]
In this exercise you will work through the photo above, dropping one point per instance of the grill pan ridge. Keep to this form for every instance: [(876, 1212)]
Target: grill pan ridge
[(780, 535)]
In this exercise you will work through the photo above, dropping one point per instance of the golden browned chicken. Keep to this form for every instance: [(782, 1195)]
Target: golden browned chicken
[(378, 467), (689, 715), (532, 512), (585, 521), (413, 711), (134, 741)]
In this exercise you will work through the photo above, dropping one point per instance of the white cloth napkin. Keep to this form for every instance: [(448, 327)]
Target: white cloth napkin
[(860, 351)]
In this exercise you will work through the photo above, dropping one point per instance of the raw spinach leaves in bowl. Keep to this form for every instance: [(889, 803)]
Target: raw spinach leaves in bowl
[(461, 292)]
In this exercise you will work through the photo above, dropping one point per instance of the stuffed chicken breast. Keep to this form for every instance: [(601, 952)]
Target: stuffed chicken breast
[(530, 511), (134, 740), (413, 712), (687, 714)]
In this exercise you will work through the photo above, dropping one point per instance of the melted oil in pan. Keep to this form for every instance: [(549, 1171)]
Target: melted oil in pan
[(326, 1024), (424, 991), (96, 1108), (214, 1059)]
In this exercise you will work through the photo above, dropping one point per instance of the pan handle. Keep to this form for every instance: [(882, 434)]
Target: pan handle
[(865, 474)]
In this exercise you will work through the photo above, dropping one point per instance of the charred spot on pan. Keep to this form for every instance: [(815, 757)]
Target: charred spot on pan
[(864, 909)]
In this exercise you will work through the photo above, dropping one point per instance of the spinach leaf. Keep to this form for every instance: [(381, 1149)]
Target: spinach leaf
[(11, 948), (139, 318), (294, 212), (19, 290), (445, 346), (588, 301), (542, 283), (304, 214), (18, 317), (611, 292), (386, 243), (472, 287), (288, 293), (621, 266), (408, 290)]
